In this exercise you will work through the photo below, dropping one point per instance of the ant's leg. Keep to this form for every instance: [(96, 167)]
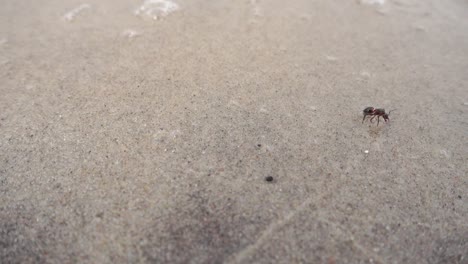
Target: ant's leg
[(364, 118), (372, 118), (378, 120)]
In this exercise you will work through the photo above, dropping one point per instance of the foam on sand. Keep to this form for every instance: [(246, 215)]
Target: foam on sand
[(372, 2), (70, 16), (156, 8), (130, 33)]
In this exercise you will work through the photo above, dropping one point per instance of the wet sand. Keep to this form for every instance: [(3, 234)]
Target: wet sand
[(125, 139)]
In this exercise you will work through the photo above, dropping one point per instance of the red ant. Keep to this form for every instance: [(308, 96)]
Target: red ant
[(379, 112)]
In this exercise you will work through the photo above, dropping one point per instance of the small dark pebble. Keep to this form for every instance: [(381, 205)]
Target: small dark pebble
[(459, 196), (259, 145), (269, 178)]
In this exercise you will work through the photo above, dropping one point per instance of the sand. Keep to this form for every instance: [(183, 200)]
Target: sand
[(136, 136)]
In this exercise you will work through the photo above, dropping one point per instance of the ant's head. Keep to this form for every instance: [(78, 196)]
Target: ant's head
[(385, 117)]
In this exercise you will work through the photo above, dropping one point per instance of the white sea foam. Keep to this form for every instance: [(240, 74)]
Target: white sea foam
[(365, 74), (331, 58), (445, 153), (372, 2), (130, 33), (419, 28), (70, 16), (156, 8), (256, 10)]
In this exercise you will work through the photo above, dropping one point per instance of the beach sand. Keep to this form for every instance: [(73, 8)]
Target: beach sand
[(133, 133)]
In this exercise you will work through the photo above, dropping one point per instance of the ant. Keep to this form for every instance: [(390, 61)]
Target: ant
[(379, 112)]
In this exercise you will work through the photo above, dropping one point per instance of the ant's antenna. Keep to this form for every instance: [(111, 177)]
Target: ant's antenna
[(391, 111)]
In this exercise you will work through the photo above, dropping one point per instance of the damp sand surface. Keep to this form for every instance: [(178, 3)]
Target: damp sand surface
[(145, 131)]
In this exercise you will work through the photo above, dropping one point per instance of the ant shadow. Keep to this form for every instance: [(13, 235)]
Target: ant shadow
[(375, 130)]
